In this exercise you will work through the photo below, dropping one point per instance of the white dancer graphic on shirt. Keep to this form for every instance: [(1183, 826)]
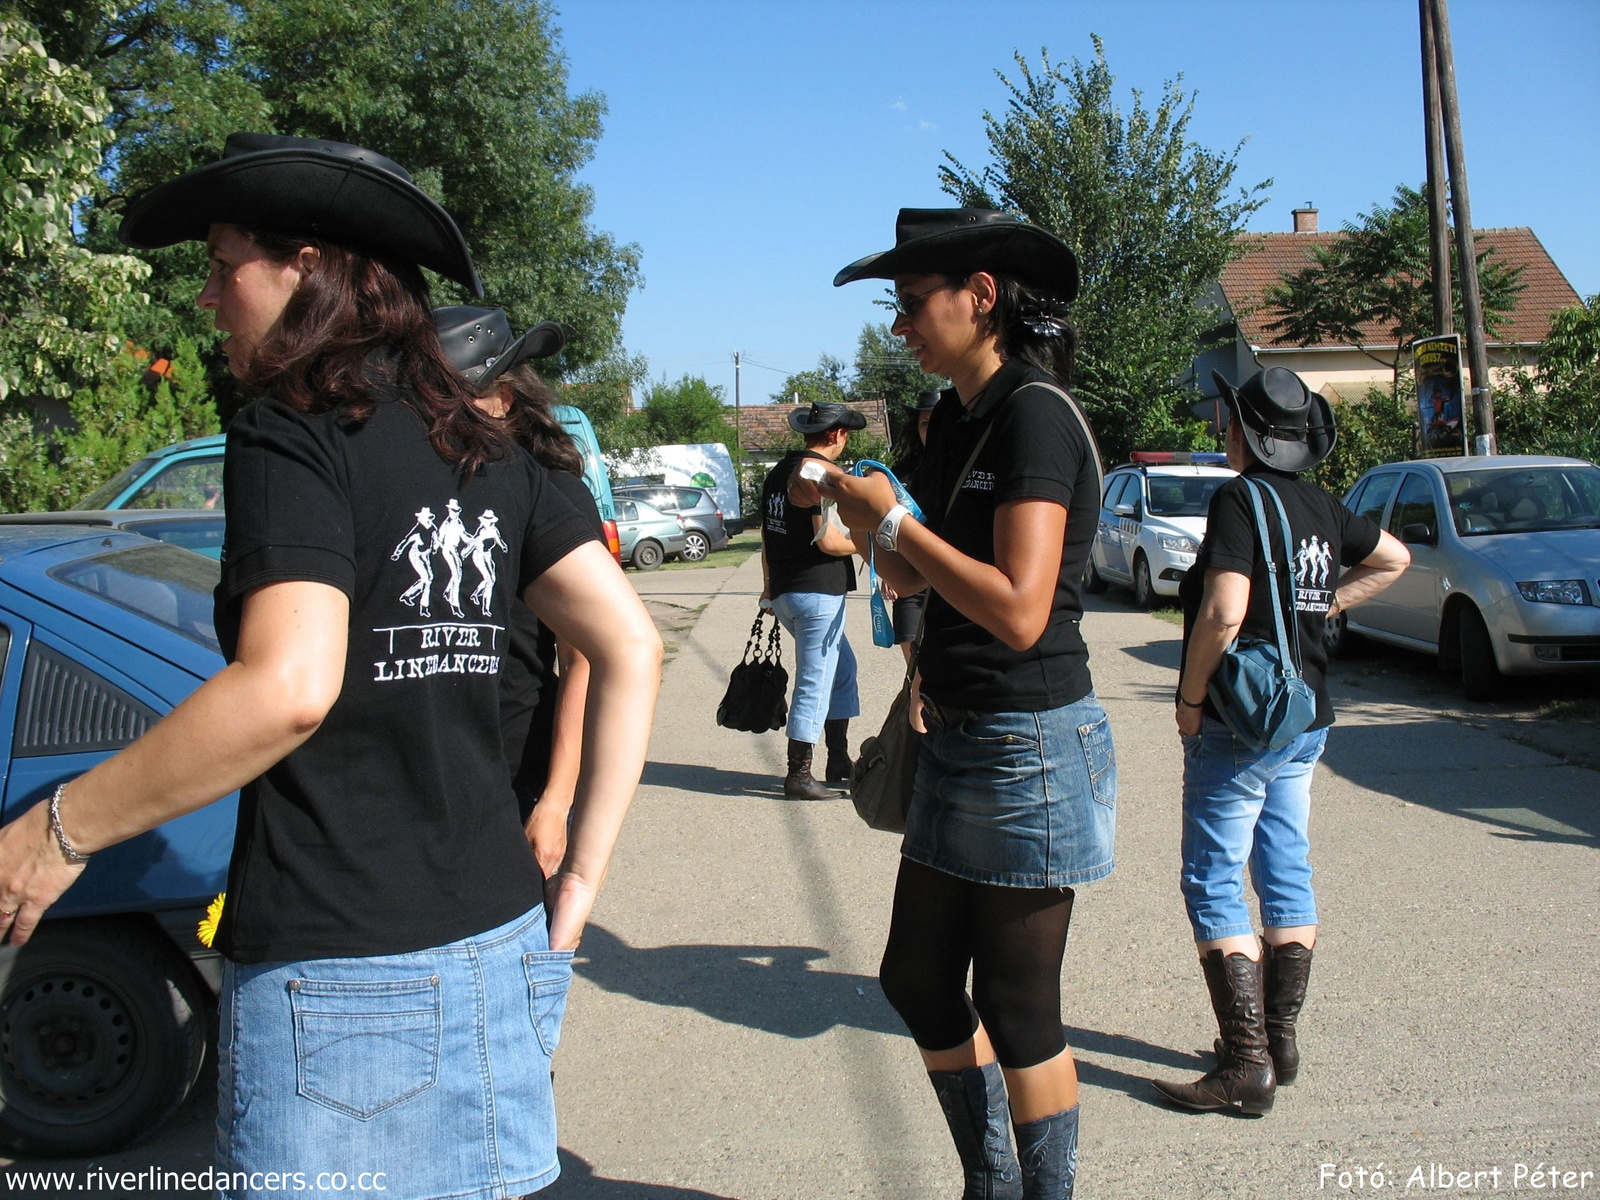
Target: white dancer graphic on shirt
[(419, 544), (449, 541), (1313, 562), (487, 535)]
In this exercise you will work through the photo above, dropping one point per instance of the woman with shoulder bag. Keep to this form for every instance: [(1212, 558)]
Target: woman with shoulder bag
[(1244, 803), (393, 985), (1014, 799)]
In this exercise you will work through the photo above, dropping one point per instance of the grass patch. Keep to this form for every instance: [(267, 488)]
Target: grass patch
[(1172, 615), (1580, 708), (732, 555)]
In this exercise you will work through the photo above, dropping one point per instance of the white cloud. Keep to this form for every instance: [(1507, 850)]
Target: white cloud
[(898, 106), (926, 125)]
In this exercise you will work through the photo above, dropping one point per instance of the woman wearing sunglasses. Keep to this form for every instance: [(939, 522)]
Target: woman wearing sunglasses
[(391, 994), (1014, 801)]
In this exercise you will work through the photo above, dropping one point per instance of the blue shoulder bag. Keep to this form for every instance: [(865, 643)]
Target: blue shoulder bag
[(1257, 689)]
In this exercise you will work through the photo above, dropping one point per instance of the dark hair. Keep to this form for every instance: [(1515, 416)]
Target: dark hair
[(821, 437), (1030, 324), (319, 356), (532, 423)]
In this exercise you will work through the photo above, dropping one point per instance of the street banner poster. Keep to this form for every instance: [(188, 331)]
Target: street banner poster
[(1439, 395)]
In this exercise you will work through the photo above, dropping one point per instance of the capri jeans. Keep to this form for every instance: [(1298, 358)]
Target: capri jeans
[(824, 664), (1241, 804)]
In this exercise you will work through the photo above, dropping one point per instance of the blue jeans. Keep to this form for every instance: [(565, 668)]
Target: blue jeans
[(1241, 804), (824, 664), (410, 1076)]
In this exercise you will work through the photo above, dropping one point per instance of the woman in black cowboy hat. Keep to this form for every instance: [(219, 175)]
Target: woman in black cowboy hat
[(1240, 803), (391, 993), (1015, 791), (541, 708)]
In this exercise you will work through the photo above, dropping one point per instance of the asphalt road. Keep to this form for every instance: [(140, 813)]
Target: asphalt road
[(726, 1035)]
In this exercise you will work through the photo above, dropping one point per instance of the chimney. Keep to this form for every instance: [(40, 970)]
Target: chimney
[(1305, 218)]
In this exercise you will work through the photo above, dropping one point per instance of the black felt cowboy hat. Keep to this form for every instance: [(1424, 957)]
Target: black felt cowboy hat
[(1286, 425), (304, 186), (479, 344), (928, 401), (825, 415), (950, 241)]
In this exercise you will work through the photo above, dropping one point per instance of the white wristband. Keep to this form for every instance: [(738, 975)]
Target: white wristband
[(889, 528)]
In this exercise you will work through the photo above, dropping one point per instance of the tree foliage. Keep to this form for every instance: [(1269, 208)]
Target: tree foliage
[(470, 96), (1552, 409), (1378, 275), (1152, 217), (687, 411)]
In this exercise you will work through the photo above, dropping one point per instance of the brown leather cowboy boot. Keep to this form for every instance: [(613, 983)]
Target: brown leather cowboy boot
[(1243, 1076), (799, 783), (1287, 970)]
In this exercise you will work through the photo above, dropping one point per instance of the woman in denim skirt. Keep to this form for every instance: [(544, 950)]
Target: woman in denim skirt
[(395, 968), (1241, 804), (1014, 801)]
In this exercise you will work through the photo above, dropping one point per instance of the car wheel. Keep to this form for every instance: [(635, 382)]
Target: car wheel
[(1093, 582), (102, 1033), (1144, 591), (1337, 639), (647, 555), (695, 546), (1480, 674)]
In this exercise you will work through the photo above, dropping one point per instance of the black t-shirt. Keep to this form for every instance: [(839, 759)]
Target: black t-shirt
[(528, 674), (1326, 537), (1036, 450), (393, 827), (794, 562)]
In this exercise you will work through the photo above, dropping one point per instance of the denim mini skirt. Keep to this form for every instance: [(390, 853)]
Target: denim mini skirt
[(1020, 799), (412, 1076)]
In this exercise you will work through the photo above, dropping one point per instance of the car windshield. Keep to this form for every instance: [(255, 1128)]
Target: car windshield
[(110, 490), (169, 586), (1170, 497), (1524, 499)]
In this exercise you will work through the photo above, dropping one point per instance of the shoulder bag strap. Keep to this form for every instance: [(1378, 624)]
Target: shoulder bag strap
[(1088, 433), (1272, 574), (1288, 576)]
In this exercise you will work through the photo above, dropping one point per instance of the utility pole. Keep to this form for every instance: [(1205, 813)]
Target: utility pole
[(1471, 302), (738, 422), (1444, 317)]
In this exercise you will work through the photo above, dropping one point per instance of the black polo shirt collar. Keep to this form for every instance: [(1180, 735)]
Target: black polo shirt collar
[(1011, 375)]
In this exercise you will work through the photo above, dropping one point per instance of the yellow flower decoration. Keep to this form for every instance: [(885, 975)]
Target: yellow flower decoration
[(208, 926)]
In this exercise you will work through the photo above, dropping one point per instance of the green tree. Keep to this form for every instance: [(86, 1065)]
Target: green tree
[(687, 411), (604, 390), (470, 95), (1377, 277), (1552, 409), (1152, 217), (826, 383)]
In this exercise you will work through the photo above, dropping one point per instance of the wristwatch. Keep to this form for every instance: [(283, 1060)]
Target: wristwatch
[(889, 528)]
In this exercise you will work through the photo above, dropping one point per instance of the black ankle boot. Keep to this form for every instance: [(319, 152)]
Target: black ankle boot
[(799, 784), (836, 736), (1047, 1150), (974, 1103), (1288, 969), (1243, 1076)]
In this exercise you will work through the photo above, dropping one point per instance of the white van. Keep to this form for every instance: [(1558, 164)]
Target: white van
[(706, 465)]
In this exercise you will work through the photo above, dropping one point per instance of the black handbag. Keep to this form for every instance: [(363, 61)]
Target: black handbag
[(757, 698)]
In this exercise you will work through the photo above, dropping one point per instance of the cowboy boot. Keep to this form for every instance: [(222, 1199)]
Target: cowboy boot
[(1288, 968), (975, 1108), (799, 784), (1243, 1075), (836, 735), (1047, 1150)]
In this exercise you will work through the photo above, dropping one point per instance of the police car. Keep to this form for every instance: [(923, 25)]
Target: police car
[(1152, 521)]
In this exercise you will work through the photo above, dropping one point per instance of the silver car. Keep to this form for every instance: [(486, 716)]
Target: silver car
[(1505, 565)]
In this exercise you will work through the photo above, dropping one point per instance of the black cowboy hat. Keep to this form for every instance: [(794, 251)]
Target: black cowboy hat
[(304, 186), (1286, 425), (478, 341), (945, 241), (927, 401), (825, 415)]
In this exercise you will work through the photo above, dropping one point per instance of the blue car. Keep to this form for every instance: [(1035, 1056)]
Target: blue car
[(105, 1013)]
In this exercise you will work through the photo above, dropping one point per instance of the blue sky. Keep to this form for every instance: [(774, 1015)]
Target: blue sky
[(752, 149)]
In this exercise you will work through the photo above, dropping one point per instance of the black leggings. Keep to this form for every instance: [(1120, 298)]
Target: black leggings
[(1013, 939)]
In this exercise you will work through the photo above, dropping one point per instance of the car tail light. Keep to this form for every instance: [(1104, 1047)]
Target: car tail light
[(613, 542)]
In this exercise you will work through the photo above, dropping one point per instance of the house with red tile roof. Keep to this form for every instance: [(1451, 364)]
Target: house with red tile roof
[(1245, 343)]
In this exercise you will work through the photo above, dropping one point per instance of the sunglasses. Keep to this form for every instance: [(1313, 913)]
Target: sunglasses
[(909, 306)]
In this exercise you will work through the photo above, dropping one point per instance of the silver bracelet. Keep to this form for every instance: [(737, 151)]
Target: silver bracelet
[(67, 852)]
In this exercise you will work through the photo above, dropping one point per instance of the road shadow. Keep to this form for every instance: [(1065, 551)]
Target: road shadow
[(1418, 762), (1137, 1087), (773, 989), (578, 1180), (1168, 653), (714, 781)]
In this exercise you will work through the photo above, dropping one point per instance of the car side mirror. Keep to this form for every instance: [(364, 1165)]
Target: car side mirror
[(1124, 510), (1420, 534)]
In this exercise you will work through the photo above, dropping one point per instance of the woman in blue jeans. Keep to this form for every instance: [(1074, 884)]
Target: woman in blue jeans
[(395, 974), (1241, 804), (1015, 791)]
